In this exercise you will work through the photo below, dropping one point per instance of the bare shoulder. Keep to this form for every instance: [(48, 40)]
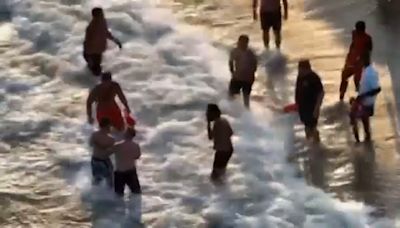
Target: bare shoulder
[(225, 122)]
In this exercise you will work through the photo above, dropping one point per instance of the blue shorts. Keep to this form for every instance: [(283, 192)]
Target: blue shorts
[(102, 169)]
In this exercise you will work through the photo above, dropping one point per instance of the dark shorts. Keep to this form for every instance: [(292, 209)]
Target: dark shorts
[(236, 86), (129, 178), (94, 62), (102, 170), (271, 20), (307, 118)]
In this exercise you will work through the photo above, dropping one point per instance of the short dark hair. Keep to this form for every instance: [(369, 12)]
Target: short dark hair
[(305, 63), (97, 11), (106, 76), (130, 132), (360, 26), (213, 108), (104, 122), (244, 37)]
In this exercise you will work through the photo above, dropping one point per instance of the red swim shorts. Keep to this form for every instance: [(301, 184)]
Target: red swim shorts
[(113, 113)]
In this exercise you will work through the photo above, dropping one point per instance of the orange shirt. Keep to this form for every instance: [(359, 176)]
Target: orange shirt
[(361, 43), (96, 37)]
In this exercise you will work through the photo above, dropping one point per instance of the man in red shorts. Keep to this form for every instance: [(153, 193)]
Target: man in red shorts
[(271, 17), (104, 96), (361, 45)]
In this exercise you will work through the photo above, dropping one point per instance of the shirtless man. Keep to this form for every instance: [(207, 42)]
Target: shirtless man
[(104, 96), (361, 45), (243, 66), (95, 43), (221, 133), (271, 17), (126, 154), (101, 141)]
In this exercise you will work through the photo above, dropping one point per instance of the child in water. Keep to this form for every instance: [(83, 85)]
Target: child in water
[(221, 133)]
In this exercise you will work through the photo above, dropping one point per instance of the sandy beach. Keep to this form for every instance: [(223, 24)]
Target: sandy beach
[(172, 64), (320, 30)]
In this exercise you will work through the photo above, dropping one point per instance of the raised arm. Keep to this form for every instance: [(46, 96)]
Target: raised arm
[(122, 97)]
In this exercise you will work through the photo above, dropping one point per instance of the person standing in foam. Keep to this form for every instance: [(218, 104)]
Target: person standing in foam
[(102, 141), (126, 153), (95, 43), (369, 88), (221, 134), (104, 96), (243, 66)]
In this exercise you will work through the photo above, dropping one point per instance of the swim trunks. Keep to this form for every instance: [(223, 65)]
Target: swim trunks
[(129, 178), (113, 113), (271, 20), (236, 86), (102, 169)]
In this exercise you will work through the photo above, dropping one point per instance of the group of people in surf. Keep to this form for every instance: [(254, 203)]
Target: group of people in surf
[(243, 64)]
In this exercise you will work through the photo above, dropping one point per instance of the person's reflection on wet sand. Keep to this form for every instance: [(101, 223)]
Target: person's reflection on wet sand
[(364, 166), (315, 167)]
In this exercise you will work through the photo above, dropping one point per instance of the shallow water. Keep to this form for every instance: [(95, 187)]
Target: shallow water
[(366, 173), (170, 71)]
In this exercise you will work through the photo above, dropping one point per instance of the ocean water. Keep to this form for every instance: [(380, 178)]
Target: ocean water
[(169, 72)]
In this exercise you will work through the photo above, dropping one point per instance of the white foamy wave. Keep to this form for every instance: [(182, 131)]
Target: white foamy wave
[(169, 73)]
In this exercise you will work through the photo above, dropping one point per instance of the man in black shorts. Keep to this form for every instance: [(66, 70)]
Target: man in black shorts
[(243, 66), (271, 17), (309, 96)]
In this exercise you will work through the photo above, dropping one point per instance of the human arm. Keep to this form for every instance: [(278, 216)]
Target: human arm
[(230, 131), (90, 100), (298, 90), (115, 40), (370, 45), (122, 97), (254, 61), (209, 130), (232, 62), (138, 152), (255, 6), (285, 9), (320, 97), (370, 93)]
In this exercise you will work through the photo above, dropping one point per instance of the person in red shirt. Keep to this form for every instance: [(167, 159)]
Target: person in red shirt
[(361, 45), (95, 43)]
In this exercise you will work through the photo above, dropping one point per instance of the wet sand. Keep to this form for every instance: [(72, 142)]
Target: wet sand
[(320, 30)]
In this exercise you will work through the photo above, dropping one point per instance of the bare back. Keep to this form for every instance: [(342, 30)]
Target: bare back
[(105, 93), (101, 143), (126, 154)]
